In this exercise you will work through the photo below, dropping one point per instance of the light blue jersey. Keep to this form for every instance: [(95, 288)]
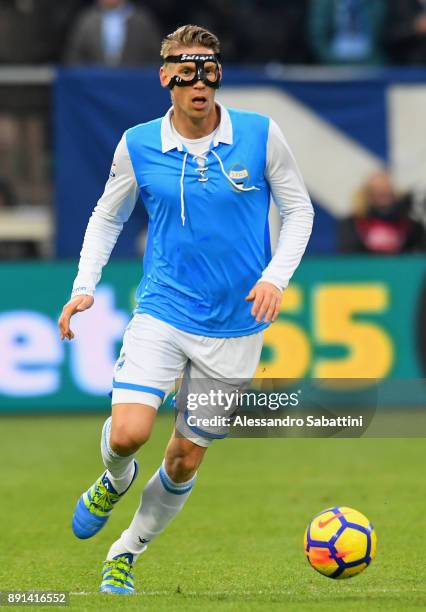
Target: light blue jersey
[(208, 234)]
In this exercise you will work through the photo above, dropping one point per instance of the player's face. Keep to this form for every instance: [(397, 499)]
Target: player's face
[(197, 100)]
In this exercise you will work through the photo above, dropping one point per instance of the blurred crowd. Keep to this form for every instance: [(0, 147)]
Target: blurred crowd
[(128, 32), (384, 221)]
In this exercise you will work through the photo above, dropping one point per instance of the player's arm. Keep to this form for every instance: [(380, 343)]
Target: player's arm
[(296, 212), (104, 227)]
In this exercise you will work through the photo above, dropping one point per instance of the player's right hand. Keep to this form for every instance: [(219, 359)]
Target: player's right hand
[(76, 304)]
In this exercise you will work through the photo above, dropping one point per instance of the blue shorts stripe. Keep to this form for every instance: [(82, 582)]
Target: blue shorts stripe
[(132, 387)]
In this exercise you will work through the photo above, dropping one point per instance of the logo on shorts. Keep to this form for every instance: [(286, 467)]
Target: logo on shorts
[(120, 362), (112, 171)]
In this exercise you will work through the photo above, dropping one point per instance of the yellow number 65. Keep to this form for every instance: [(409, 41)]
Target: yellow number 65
[(370, 347)]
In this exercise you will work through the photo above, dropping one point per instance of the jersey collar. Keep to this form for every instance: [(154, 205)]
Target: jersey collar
[(223, 133)]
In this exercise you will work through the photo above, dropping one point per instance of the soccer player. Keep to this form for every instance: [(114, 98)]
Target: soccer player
[(209, 288)]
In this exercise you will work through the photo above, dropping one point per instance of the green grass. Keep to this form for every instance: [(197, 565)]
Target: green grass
[(237, 545)]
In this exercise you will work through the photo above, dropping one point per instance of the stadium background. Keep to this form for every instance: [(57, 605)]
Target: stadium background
[(342, 316)]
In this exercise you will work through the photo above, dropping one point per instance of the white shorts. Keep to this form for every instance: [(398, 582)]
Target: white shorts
[(155, 354)]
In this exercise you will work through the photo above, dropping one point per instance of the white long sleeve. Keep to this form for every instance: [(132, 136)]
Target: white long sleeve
[(296, 211), (104, 227)]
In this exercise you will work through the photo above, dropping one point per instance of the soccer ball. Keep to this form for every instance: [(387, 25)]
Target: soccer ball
[(340, 542)]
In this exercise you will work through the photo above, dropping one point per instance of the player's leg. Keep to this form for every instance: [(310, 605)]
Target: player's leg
[(122, 435), (169, 488), (158, 365), (128, 428), (167, 491), (147, 367), (163, 497)]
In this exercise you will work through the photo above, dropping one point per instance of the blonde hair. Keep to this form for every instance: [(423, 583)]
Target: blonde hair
[(189, 36)]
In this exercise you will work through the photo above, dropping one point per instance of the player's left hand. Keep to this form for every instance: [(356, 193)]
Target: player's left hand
[(266, 298)]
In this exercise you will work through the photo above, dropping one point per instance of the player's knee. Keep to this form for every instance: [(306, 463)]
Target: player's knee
[(181, 468), (125, 442)]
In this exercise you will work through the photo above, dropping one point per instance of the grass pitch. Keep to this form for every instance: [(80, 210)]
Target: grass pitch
[(237, 545)]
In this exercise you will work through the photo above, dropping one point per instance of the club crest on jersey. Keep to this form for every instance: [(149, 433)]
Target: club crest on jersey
[(240, 175), (112, 171)]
